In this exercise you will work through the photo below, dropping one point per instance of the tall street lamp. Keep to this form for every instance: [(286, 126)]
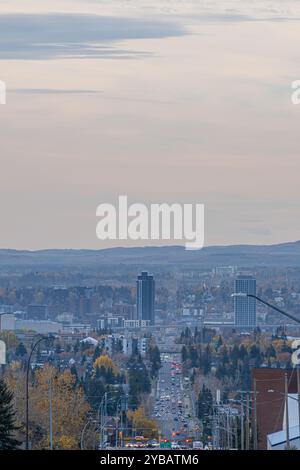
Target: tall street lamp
[(292, 317), (43, 338), (279, 310)]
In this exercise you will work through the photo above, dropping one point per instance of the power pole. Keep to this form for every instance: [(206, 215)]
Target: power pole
[(228, 430), (286, 396), (298, 390), (247, 423), (255, 417), (242, 424), (236, 441), (50, 415)]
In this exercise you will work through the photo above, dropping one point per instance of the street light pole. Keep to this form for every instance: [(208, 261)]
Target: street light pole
[(297, 320), (279, 310), (43, 338)]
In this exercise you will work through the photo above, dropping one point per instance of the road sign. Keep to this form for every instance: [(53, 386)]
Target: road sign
[(165, 445)]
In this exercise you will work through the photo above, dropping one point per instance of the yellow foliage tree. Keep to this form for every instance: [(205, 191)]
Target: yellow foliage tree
[(9, 339), (141, 423), (69, 407), (105, 361)]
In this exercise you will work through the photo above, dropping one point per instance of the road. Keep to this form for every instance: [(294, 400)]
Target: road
[(173, 408)]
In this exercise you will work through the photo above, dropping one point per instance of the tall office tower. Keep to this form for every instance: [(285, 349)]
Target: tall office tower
[(245, 307), (145, 291)]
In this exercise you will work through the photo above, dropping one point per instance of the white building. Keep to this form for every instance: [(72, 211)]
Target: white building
[(89, 340), (7, 322), (127, 342), (136, 323), (39, 326)]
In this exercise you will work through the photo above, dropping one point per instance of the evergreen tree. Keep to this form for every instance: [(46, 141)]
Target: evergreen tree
[(97, 353), (193, 357), (207, 360), (219, 342), (184, 353), (270, 352), (7, 419), (139, 380), (205, 407), (154, 357), (21, 350)]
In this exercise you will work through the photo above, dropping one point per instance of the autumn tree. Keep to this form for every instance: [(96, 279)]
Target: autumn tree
[(68, 405), (141, 424), (105, 362)]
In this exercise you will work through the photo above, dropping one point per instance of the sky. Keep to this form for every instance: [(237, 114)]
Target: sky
[(165, 101)]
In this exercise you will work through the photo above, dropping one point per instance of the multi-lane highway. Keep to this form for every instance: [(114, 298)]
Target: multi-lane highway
[(172, 407)]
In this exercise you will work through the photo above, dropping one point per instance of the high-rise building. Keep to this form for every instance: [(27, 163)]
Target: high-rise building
[(245, 307), (145, 291), (37, 312)]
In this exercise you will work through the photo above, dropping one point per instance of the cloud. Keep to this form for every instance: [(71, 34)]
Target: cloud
[(52, 91), (52, 36)]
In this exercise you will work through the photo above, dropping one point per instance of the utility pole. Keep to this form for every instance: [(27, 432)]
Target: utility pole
[(218, 430), (228, 430), (247, 423), (236, 441), (117, 430), (242, 424), (255, 417), (286, 396), (298, 390), (50, 415)]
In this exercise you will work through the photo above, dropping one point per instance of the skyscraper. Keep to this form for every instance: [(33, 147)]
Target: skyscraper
[(245, 307), (145, 291)]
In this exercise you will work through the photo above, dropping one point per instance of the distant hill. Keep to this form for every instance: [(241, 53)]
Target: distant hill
[(285, 254)]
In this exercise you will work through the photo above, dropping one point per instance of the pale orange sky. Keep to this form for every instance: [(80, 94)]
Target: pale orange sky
[(195, 107)]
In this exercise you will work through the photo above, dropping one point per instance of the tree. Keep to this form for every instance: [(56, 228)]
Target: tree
[(7, 419), (219, 342), (141, 424), (207, 360), (138, 379), (21, 350), (193, 357), (107, 363), (9, 339), (97, 353), (184, 353), (154, 357), (205, 407), (68, 404)]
